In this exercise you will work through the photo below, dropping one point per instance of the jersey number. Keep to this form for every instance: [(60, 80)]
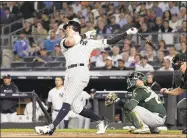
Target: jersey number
[(152, 96)]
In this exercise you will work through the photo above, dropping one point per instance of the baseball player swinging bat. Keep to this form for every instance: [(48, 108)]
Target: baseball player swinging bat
[(77, 53)]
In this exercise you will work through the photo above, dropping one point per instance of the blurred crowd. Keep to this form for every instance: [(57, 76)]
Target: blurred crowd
[(43, 31)]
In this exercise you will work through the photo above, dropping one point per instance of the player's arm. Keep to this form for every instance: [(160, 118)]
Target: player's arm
[(71, 41), (106, 42), (174, 92)]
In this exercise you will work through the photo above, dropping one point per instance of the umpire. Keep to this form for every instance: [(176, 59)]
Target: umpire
[(8, 106), (180, 63)]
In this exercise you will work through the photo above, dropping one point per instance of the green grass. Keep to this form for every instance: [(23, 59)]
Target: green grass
[(87, 130)]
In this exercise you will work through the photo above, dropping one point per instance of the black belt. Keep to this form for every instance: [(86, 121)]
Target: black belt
[(75, 65)]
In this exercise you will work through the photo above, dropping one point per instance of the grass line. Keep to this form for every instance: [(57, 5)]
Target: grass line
[(87, 131)]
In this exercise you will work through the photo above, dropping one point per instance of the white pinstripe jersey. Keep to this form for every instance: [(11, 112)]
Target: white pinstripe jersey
[(80, 53)]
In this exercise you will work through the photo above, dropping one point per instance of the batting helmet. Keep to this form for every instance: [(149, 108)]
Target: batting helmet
[(178, 60), (76, 26)]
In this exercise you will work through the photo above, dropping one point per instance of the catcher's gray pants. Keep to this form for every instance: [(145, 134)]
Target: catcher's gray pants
[(150, 119), (182, 107)]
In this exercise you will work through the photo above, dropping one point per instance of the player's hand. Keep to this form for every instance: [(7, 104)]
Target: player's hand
[(90, 34), (132, 31), (164, 90), (110, 98)]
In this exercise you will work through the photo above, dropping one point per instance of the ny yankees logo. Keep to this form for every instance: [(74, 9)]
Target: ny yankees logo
[(83, 42)]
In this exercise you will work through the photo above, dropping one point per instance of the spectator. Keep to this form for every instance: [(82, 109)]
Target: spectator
[(38, 5), (43, 56), (89, 26), (158, 11), (8, 106), (167, 16), (146, 48), (182, 13), (39, 31), (57, 51), (142, 10), (97, 57), (21, 46), (9, 18), (60, 33), (158, 24), (113, 28), (83, 24), (132, 55), (76, 6), (144, 29), (116, 56), (45, 20), (173, 9), (122, 19), (183, 28), (126, 45), (121, 64), (149, 5), (129, 24), (35, 50), (172, 53), (103, 62), (28, 31), (50, 43), (91, 18), (54, 27), (101, 29), (166, 66), (160, 57), (151, 82), (150, 54), (175, 23), (2, 13), (168, 37), (144, 66), (14, 9), (162, 45), (136, 60), (125, 57), (109, 65), (164, 6), (27, 9), (183, 47)]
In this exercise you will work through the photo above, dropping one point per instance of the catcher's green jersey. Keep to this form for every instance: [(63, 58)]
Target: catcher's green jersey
[(147, 98)]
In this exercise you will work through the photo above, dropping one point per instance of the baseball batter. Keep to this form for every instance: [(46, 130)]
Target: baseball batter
[(145, 109), (77, 53)]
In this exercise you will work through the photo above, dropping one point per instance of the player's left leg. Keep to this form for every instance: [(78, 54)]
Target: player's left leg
[(78, 108), (152, 120), (182, 106)]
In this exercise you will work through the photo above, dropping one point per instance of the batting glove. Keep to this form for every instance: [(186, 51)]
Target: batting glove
[(90, 34), (132, 31)]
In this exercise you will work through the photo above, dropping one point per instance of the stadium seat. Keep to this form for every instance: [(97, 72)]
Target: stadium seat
[(29, 59), (41, 68), (60, 58), (58, 68), (5, 69), (54, 64), (23, 69), (18, 64), (35, 64)]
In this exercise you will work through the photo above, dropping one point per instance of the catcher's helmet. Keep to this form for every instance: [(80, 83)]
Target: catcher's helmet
[(178, 60), (76, 26), (132, 77)]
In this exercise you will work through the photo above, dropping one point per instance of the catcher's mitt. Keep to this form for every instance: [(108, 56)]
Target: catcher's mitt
[(110, 98)]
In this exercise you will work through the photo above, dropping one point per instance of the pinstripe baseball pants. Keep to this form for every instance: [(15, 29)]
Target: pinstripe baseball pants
[(76, 79)]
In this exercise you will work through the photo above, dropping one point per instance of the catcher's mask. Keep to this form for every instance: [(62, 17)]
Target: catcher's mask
[(133, 77), (178, 60), (76, 26)]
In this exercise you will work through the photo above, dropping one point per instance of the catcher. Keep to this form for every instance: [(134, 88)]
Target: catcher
[(145, 109)]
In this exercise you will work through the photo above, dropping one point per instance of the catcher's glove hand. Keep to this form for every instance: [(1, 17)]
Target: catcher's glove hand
[(110, 98)]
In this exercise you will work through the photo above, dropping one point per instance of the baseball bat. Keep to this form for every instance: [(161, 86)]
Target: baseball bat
[(156, 47)]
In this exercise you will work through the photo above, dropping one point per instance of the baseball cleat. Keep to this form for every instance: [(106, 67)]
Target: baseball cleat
[(43, 130), (144, 130), (155, 130), (101, 127)]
